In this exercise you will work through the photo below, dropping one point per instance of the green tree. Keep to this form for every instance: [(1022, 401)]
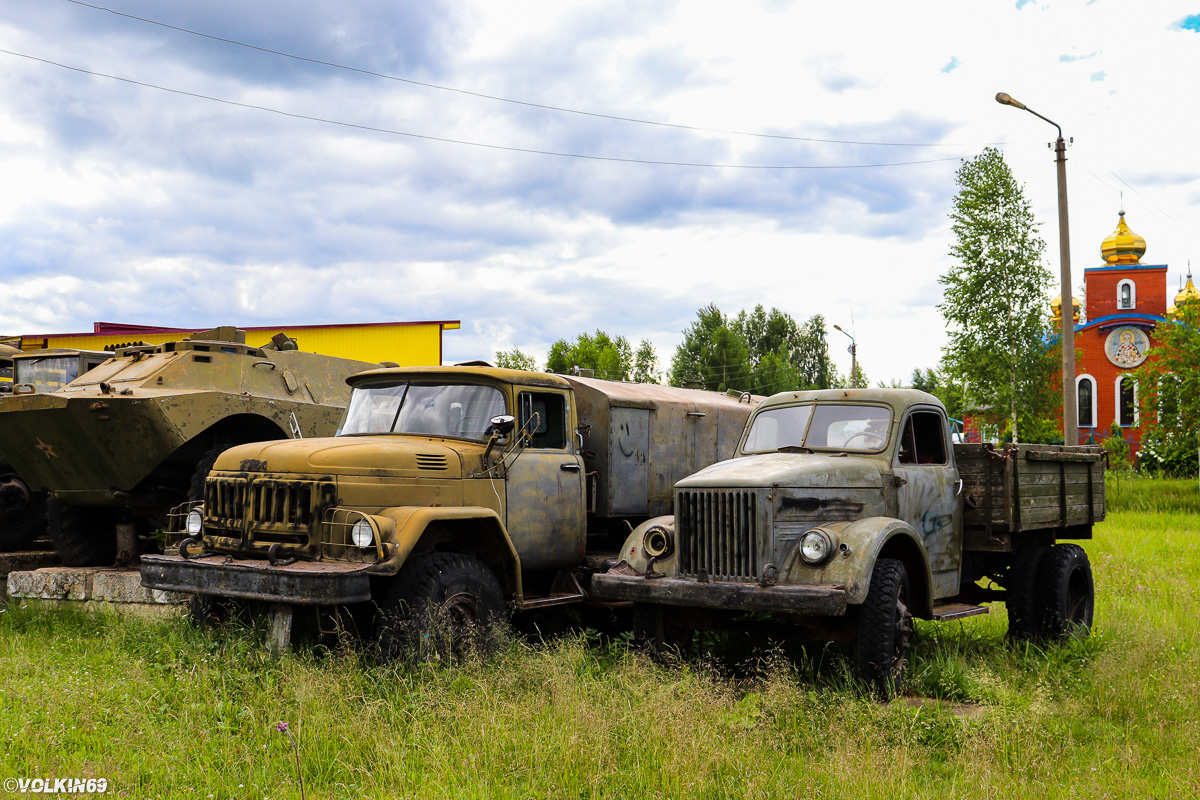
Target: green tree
[(1170, 394), (515, 359), (759, 351), (996, 301), (645, 363), (610, 358)]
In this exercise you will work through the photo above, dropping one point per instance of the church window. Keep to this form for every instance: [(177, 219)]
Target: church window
[(1126, 401), (1085, 389), (1126, 294)]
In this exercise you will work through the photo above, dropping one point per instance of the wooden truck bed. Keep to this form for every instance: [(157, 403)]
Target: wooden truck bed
[(1029, 487)]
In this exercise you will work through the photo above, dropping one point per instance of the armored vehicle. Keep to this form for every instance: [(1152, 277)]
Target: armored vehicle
[(848, 512), (119, 446), (451, 493), (22, 510)]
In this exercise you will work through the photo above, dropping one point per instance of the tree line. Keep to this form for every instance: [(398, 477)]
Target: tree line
[(761, 351)]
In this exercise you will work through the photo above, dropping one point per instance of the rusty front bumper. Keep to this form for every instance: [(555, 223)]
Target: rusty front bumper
[(792, 599), (302, 583)]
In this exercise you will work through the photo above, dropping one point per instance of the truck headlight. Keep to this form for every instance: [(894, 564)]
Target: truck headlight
[(195, 522), (361, 534), (815, 546), (657, 542)]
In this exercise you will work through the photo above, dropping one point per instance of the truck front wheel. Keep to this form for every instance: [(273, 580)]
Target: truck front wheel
[(885, 629), (1066, 592), (441, 606)]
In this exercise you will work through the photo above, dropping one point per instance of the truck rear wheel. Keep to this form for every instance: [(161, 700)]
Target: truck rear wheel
[(441, 606), (1066, 592), (885, 629), (82, 537), (1025, 613), (22, 511)]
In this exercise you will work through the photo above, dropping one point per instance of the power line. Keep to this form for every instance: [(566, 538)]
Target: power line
[(499, 99), (485, 145)]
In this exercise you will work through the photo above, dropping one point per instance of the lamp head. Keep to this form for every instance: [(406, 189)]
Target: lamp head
[(838, 328), (1006, 100)]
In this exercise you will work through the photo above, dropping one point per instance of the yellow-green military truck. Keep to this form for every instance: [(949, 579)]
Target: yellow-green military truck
[(849, 512), (122, 444), (23, 510), (452, 493)]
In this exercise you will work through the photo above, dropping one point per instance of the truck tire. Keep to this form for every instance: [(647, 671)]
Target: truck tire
[(653, 627), (885, 630), (1066, 596), (203, 467), (23, 511), (82, 537), (440, 607), (1020, 592)]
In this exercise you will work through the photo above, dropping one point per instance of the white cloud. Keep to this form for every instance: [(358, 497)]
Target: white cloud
[(132, 204)]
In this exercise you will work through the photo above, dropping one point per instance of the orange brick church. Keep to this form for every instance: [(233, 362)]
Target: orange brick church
[(1126, 300)]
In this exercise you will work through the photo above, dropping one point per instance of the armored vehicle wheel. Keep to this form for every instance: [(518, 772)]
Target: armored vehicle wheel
[(1066, 596), (203, 467), (441, 606), (22, 512), (1020, 592), (885, 629), (82, 537)]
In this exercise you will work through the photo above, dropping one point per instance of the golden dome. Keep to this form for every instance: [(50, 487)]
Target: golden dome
[(1056, 308), (1187, 296), (1123, 246)]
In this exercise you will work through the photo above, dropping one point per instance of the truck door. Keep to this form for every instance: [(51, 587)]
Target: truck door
[(544, 510), (928, 497)]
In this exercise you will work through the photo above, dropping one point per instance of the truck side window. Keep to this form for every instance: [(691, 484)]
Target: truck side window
[(550, 431), (922, 441)]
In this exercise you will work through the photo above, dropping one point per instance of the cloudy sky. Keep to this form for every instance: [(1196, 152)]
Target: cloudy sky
[(193, 181)]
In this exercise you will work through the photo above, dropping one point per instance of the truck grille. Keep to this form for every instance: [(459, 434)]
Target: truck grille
[(274, 510), (718, 533)]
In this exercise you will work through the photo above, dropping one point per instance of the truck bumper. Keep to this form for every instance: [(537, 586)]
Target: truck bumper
[(304, 583), (807, 600)]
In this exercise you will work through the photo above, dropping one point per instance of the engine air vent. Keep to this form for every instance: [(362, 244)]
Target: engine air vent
[(434, 461)]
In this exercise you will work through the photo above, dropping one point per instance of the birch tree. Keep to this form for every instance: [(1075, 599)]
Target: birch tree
[(996, 303)]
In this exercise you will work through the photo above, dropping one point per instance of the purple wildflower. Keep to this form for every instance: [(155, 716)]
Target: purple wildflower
[(282, 727)]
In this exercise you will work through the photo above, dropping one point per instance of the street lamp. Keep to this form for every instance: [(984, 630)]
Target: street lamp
[(853, 348), (1070, 412)]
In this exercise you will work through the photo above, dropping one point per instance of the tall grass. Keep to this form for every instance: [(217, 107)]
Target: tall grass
[(164, 710)]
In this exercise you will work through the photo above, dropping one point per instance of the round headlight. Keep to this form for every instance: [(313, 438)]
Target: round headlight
[(195, 522), (657, 543), (361, 534), (815, 547)]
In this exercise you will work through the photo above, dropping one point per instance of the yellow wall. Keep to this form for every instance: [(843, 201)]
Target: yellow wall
[(409, 345)]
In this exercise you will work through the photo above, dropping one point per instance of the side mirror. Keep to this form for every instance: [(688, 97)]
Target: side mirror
[(503, 423)]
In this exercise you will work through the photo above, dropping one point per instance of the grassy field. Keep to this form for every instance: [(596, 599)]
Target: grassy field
[(162, 710)]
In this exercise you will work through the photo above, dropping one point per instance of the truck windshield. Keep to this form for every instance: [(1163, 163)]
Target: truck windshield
[(46, 374), (820, 426), (462, 411)]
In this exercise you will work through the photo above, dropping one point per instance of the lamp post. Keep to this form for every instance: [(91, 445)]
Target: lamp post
[(853, 359), (1070, 412)]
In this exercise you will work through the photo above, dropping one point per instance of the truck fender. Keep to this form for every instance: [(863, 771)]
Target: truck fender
[(477, 532), (857, 545), (659, 534)]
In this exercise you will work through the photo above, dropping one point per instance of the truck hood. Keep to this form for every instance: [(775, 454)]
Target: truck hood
[(378, 456), (795, 470)]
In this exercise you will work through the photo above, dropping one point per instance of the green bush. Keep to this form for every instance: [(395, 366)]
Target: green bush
[(1169, 453)]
